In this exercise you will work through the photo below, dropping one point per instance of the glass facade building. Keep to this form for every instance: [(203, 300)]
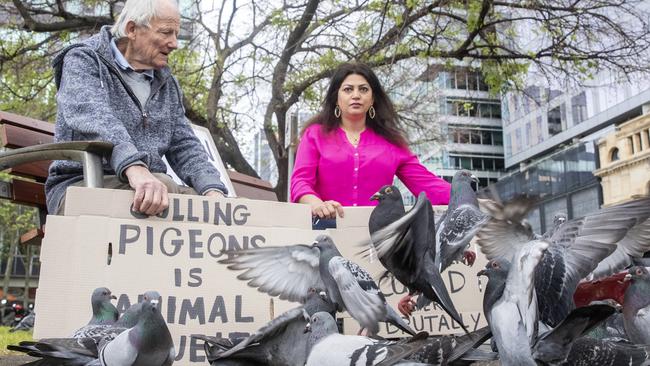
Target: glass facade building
[(563, 181)]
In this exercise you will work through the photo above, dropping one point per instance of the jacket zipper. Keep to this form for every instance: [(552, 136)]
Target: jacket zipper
[(145, 116)]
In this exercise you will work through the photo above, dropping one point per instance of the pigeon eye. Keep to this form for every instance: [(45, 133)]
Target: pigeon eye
[(495, 265), (639, 271), (389, 190)]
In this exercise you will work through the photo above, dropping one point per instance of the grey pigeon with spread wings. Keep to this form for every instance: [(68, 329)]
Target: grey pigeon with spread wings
[(510, 303), (327, 347), (405, 244), (289, 272), (575, 248)]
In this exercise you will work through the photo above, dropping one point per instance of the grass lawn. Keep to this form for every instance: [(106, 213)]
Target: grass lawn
[(7, 338)]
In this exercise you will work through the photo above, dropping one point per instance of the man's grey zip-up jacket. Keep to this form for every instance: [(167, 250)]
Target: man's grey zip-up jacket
[(95, 103)]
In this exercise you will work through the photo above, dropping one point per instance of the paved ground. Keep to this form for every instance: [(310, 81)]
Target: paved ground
[(14, 360)]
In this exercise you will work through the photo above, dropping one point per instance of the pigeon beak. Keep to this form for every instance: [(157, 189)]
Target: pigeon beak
[(154, 303), (307, 328), (375, 197), (113, 297), (474, 178), (481, 273)]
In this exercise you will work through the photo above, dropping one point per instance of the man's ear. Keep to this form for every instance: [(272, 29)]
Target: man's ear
[(130, 30)]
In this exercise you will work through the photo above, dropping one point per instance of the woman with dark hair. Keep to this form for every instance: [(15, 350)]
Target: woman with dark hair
[(354, 146)]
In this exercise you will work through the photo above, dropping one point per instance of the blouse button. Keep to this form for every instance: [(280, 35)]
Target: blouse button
[(355, 187), (354, 204), (356, 169)]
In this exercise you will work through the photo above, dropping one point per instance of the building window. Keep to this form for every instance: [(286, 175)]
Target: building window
[(613, 155), (554, 121), (579, 108), (529, 132), (517, 146), (540, 132)]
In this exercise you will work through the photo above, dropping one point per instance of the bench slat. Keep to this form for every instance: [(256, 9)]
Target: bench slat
[(15, 137), (29, 193)]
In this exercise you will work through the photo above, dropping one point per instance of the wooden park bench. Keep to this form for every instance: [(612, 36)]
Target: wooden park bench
[(32, 149)]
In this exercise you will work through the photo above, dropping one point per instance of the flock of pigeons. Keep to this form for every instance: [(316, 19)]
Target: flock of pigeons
[(530, 301)]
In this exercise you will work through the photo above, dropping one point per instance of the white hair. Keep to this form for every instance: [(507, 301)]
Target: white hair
[(138, 11)]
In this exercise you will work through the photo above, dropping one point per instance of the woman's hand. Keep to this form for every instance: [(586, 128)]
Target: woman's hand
[(322, 209), (326, 209)]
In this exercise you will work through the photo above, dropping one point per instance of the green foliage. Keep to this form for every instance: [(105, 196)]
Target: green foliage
[(26, 85), (504, 75)]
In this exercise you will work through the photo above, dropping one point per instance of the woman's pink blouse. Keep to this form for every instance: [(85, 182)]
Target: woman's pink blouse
[(331, 168)]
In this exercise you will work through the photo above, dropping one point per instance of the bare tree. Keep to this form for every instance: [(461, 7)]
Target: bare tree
[(275, 55)]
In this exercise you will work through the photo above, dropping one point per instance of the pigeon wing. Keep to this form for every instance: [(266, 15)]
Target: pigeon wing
[(359, 292), (506, 229), (459, 228), (287, 272), (635, 243), (577, 248), (399, 239), (272, 329)]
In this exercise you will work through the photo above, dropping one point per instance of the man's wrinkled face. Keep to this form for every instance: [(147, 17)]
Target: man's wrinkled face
[(151, 45)]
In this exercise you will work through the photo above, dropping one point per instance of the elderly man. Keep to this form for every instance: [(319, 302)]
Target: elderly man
[(116, 87)]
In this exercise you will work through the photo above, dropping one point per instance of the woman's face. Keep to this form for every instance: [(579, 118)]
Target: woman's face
[(354, 96)]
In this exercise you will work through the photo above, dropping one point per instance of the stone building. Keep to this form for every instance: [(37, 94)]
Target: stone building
[(625, 161)]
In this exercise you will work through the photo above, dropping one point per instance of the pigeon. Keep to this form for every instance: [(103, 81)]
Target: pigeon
[(590, 351), (612, 328), (104, 313), (290, 271), (280, 342), (327, 347), (575, 248), (636, 309), (510, 303), (628, 251), (405, 244), (26, 323), (317, 301), (570, 344), (442, 350), (554, 346), (459, 223), (558, 219), (148, 343)]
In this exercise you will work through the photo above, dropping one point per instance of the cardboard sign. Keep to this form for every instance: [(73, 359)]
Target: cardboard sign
[(203, 134), (179, 260), (101, 243), (189, 208)]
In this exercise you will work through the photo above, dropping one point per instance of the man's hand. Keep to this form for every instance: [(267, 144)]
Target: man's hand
[(151, 196), (215, 193)]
